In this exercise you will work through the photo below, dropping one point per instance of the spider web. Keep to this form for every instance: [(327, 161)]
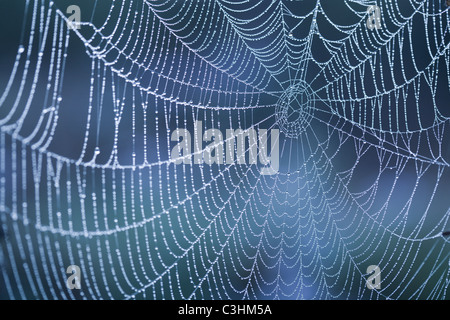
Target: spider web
[(86, 176)]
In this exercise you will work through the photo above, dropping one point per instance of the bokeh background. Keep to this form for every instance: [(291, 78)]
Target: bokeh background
[(79, 188)]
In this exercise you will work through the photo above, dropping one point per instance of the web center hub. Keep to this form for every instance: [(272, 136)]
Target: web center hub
[(295, 109)]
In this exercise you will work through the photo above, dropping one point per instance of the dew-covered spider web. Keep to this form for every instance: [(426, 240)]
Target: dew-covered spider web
[(87, 116)]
